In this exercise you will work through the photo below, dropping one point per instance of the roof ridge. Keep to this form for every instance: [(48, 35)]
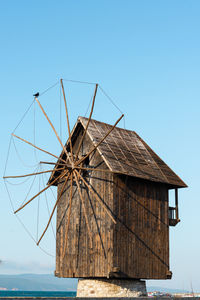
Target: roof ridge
[(80, 117)]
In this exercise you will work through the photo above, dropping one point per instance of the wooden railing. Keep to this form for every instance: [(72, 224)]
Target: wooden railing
[(173, 217), (172, 213)]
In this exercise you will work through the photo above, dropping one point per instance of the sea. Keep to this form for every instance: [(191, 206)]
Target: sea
[(4, 294)]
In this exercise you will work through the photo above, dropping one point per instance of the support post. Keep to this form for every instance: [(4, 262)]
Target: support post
[(176, 203)]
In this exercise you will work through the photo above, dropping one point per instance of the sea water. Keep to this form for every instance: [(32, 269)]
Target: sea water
[(36, 294)]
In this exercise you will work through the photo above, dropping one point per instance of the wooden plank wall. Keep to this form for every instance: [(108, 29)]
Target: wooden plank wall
[(137, 246), (81, 260), (141, 236)]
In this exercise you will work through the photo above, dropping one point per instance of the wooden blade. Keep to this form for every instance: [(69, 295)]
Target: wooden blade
[(60, 176), (52, 213), (83, 158), (79, 147), (56, 164), (77, 167), (31, 174), (29, 143), (69, 214), (64, 149), (97, 197), (84, 209), (93, 169), (70, 140)]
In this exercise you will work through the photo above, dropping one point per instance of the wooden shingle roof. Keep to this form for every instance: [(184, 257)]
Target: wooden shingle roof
[(126, 153)]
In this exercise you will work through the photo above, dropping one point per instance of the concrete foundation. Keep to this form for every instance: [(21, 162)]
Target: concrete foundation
[(111, 288)]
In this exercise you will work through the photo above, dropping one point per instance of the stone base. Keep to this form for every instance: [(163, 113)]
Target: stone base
[(111, 288)]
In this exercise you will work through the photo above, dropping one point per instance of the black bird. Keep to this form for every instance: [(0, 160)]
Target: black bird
[(37, 94)]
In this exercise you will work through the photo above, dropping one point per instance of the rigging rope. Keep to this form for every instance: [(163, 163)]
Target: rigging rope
[(9, 196), (49, 88), (110, 99), (88, 106), (8, 152), (60, 114), (113, 103), (34, 133), (22, 161), (38, 210), (47, 179), (30, 186), (19, 183), (23, 116), (32, 104), (25, 228), (78, 81), (48, 209)]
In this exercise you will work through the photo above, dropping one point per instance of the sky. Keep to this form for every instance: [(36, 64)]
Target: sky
[(145, 55)]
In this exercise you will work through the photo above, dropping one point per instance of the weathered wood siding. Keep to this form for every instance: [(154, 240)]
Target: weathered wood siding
[(136, 247), (82, 259), (141, 236)]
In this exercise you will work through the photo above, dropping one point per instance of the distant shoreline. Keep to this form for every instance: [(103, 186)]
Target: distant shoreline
[(36, 294)]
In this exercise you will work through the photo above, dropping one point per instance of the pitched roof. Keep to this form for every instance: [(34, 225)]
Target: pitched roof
[(126, 153)]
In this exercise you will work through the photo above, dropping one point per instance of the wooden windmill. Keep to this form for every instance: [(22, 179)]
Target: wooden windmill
[(113, 213), (113, 216)]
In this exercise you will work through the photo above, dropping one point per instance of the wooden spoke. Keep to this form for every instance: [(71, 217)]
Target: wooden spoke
[(60, 176), (98, 229), (93, 169), (57, 164), (79, 147), (29, 143), (31, 174), (70, 140), (69, 214), (52, 213), (64, 149), (77, 167), (97, 197), (65, 211), (83, 158), (84, 209)]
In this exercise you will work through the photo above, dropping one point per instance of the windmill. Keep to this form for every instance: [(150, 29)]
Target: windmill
[(113, 213)]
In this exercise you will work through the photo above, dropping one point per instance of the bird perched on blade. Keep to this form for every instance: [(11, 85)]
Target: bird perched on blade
[(37, 94)]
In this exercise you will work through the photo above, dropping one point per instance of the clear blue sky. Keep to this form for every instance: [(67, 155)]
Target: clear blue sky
[(146, 55)]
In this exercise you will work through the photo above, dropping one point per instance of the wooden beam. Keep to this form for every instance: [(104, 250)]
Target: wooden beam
[(84, 209), (83, 158), (98, 228), (29, 143), (52, 163), (77, 167), (65, 150), (31, 174), (60, 176), (79, 147), (176, 203), (68, 126), (97, 198), (52, 213), (69, 214), (93, 169)]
